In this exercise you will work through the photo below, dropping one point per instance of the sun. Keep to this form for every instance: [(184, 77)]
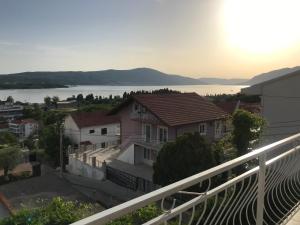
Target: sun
[(262, 26)]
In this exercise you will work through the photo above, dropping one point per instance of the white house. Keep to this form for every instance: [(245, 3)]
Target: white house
[(280, 101), (23, 128), (92, 127)]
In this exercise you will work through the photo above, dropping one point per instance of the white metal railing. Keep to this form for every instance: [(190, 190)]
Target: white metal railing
[(261, 187), (155, 143)]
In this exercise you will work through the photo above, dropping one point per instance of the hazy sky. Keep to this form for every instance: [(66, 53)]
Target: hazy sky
[(226, 38)]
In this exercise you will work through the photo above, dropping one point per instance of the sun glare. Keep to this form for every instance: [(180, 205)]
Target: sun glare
[(262, 26)]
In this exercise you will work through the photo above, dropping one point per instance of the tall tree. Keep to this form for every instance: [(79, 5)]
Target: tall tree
[(47, 101), (49, 140), (10, 99), (9, 158), (247, 128), (188, 155), (55, 100)]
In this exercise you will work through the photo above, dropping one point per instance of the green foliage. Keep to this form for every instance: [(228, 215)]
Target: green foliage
[(224, 150), (234, 97), (248, 128), (53, 117), (55, 100), (95, 107), (9, 158), (188, 155), (57, 212), (139, 217), (47, 101), (50, 141), (33, 111), (8, 138)]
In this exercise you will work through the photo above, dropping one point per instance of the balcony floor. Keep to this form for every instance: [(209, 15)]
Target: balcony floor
[(295, 220)]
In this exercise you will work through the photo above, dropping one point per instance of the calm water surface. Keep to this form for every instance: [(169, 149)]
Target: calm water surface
[(37, 95)]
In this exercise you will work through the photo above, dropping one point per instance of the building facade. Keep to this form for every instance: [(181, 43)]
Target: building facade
[(280, 102), (10, 111), (23, 128), (149, 121), (95, 128)]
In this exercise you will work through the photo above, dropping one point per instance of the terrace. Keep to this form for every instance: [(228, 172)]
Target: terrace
[(261, 187)]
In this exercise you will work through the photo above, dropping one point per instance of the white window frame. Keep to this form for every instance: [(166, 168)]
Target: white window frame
[(218, 130), (205, 128), (144, 131), (158, 134)]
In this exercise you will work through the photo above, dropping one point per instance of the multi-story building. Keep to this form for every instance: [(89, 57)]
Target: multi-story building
[(23, 128), (280, 105), (150, 120), (95, 128), (11, 111)]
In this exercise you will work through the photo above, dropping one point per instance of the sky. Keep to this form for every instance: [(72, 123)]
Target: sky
[(197, 38)]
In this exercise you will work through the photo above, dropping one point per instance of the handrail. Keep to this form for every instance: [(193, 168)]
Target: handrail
[(142, 201)]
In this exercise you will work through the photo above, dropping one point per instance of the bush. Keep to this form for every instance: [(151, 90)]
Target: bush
[(57, 212)]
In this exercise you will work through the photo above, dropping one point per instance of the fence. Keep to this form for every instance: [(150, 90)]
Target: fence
[(261, 187)]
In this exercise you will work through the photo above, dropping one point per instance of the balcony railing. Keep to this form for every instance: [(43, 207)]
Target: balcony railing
[(261, 187), (152, 143)]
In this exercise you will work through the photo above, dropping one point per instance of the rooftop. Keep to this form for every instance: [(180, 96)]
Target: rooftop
[(178, 109), (88, 119)]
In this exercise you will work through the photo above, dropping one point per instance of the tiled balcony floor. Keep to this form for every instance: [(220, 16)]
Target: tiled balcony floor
[(295, 220)]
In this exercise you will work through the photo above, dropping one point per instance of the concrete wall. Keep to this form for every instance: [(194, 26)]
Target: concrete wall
[(80, 135), (281, 107), (127, 155), (80, 168)]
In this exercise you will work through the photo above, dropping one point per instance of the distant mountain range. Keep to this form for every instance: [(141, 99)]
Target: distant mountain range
[(215, 80), (139, 76), (271, 75)]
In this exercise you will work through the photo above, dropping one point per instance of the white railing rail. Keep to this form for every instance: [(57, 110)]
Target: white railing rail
[(261, 187)]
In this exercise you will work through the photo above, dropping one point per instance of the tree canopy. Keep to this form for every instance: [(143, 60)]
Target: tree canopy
[(57, 212), (247, 128), (9, 158), (188, 155)]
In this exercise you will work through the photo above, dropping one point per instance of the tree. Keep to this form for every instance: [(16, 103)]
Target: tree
[(47, 101), (79, 99), (34, 112), (89, 98), (57, 212), (9, 158), (248, 128), (49, 140), (8, 138), (188, 155), (55, 100), (10, 99)]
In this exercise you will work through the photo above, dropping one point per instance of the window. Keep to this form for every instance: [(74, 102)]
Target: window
[(92, 131), (202, 129), (218, 128), (103, 145), (163, 134), (104, 131), (136, 107), (147, 132), (150, 154)]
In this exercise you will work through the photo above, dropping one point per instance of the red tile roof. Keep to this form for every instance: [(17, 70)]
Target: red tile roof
[(4, 125), (24, 121), (180, 109), (228, 107), (89, 119)]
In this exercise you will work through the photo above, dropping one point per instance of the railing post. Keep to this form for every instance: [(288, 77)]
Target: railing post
[(261, 190)]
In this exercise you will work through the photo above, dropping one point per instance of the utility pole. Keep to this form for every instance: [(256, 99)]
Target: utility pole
[(61, 149)]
